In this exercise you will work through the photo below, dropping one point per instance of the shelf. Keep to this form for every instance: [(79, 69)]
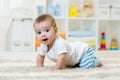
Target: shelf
[(79, 18), (85, 39)]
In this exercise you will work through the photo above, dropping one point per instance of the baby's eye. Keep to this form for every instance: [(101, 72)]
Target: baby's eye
[(39, 32), (47, 30)]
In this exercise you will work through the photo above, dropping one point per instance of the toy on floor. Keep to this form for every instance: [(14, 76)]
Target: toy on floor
[(114, 43), (91, 44), (103, 42)]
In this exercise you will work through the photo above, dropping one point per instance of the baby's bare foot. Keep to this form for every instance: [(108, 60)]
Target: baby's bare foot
[(100, 65)]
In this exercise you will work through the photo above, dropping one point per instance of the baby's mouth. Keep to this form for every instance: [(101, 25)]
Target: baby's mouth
[(45, 39)]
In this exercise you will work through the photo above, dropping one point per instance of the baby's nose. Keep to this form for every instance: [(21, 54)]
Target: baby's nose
[(43, 33)]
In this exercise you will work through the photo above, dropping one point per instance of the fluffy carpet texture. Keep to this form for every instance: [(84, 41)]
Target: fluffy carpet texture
[(22, 66)]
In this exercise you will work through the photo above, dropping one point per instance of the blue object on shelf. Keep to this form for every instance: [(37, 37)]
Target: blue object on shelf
[(40, 10), (51, 9), (57, 10)]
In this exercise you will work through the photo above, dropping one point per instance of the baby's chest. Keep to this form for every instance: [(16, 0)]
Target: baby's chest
[(52, 55)]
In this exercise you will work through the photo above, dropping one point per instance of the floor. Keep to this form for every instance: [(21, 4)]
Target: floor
[(22, 66)]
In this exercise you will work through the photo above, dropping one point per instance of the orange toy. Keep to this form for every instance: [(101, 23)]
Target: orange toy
[(63, 35), (37, 42)]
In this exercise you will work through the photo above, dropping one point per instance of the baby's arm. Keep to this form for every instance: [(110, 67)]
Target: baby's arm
[(40, 60), (60, 61)]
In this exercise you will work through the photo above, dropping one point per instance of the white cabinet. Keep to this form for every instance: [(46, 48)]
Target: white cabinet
[(20, 35)]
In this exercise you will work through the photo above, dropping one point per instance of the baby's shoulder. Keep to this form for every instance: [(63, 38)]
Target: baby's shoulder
[(60, 40)]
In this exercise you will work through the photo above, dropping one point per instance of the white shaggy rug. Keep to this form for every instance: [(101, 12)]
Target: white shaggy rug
[(22, 66)]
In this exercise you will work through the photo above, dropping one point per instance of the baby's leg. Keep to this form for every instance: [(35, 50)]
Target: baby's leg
[(96, 62), (89, 60)]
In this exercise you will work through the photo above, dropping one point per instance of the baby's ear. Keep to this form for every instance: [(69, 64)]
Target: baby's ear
[(56, 29)]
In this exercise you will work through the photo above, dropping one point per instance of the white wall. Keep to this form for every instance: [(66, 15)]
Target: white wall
[(4, 25)]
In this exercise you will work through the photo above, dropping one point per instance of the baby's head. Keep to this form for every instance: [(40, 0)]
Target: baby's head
[(45, 17), (45, 28)]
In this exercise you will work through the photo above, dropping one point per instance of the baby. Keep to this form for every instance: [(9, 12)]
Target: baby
[(59, 50)]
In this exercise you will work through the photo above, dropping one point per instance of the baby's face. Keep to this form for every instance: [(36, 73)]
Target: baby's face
[(46, 33)]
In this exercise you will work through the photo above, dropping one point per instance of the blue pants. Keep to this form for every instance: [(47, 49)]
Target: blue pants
[(88, 60)]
